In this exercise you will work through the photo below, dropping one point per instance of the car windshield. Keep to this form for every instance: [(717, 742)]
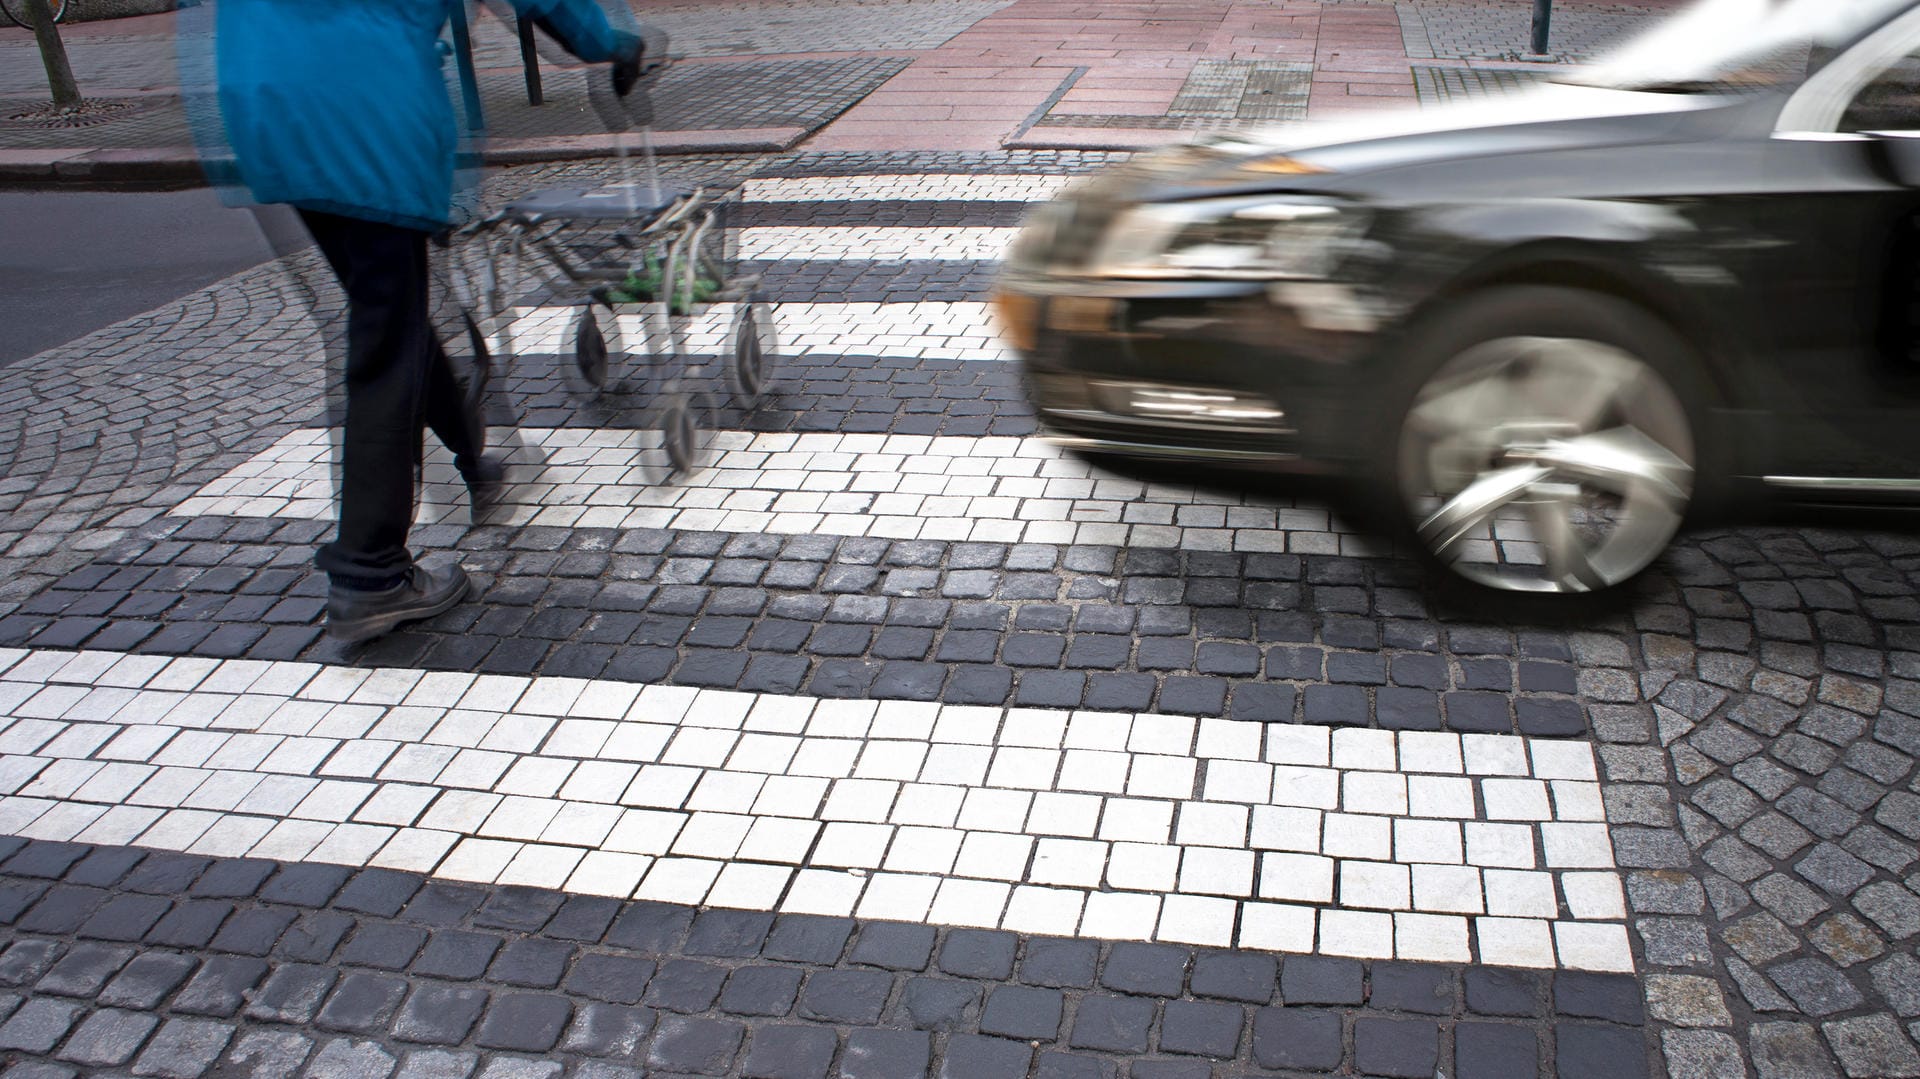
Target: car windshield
[(1722, 46)]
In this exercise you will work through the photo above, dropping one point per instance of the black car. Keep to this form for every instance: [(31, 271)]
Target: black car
[(1542, 330)]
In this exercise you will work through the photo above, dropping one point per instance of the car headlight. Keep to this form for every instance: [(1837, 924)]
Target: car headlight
[(1256, 239), (1033, 245)]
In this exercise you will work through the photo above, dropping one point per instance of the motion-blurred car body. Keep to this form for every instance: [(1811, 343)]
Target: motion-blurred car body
[(1539, 329)]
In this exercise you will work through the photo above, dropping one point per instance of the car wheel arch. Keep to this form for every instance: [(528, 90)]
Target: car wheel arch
[(1580, 267)]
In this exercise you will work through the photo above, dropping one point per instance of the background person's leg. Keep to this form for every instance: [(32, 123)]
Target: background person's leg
[(455, 418)]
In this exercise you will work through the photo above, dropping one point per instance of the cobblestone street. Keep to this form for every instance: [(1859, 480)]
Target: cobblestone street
[(897, 742)]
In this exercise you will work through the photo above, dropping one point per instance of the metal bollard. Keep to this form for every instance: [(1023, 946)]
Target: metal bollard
[(1542, 22)]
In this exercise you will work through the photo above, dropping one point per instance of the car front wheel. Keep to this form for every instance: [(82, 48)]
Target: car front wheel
[(1544, 440)]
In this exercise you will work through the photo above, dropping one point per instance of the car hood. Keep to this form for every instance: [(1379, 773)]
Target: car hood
[(1328, 156)]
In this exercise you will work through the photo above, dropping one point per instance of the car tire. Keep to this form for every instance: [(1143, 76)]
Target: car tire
[(1541, 441)]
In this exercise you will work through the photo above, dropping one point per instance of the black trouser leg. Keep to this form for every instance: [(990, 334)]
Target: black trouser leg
[(392, 361), (459, 426)]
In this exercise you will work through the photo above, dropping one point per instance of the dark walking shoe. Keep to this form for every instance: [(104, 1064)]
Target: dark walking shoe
[(356, 615), (485, 478)]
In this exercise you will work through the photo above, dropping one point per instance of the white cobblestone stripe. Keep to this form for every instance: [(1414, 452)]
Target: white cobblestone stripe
[(933, 330), (878, 243), (923, 187), (893, 486), (1353, 842)]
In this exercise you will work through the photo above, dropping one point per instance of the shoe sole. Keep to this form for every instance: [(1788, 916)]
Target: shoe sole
[(365, 629)]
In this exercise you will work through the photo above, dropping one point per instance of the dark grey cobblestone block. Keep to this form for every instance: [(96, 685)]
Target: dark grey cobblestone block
[(1237, 976), (694, 1045), (1816, 986), (362, 1004), (439, 1014), (524, 1022), (1152, 969), (681, 985), (1872, 1045), (790, 1052), (1306, 979), (894, 946), (1406, 1048), (652, 928), (1587, 1051), (763, 990), (27, 959), (183, 1049), (190, 924), (83, 970), (1114, 1024), (457, 954), (108, 1038), (808, 938), (38, 1025), (220, 987), (971, 1055), (878, 1053), (1019, 1012), (269, 1052), (383, 946), (1412, 987), (941, 1004), (1301, 1038), (351, 1059), (845, 996), (1200, 1029), (145, 981), (607, 1030), (291, 994)]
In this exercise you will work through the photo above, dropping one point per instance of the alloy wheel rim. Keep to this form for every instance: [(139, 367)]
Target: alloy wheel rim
[(1540, 464)]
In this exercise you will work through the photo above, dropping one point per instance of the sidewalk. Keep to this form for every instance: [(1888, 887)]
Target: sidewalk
[(909, 75)]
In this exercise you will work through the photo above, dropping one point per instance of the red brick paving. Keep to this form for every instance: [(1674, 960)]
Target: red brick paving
[(1136, 58), (982, 89)]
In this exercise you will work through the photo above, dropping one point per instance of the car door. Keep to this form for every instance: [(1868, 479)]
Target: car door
[(1843, 299)]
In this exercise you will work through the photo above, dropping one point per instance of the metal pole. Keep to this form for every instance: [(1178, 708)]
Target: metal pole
[(530, 59), (53, 53), (1542, 22), (463, 61)]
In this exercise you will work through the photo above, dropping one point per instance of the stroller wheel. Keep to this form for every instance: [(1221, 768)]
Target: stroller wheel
[(755, 355), (680, 438), (590, 348), (682, 421)]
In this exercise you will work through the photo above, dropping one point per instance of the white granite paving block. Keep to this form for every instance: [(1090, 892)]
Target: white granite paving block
[(878, 243), (1131, 826), (916, 329), (928, 187)]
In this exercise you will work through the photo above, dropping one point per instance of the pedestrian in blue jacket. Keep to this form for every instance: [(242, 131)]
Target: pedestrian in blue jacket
[(340, 109)]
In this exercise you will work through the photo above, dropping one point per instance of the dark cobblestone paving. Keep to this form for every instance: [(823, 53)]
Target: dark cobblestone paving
[(875, 282), (1261, 637), (848, 394), (865, 162), (893, 213), (120, 961), (1754, 706), (1776, 691)]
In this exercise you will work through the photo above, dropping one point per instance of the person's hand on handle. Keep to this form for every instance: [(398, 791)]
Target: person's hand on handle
[(628, 64)]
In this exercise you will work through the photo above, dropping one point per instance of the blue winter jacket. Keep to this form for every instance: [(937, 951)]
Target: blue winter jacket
[(342, 105)]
